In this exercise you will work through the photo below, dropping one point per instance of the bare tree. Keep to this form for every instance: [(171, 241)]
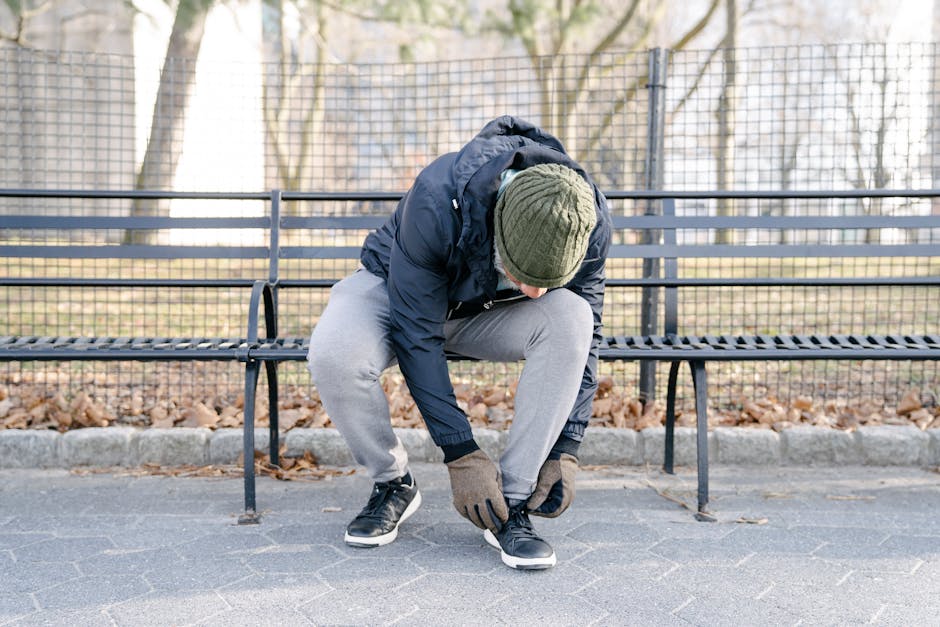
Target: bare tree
[(550, 31), (177, 79), (727, 103), (293, 92), (934, 139), (869, 168), (301, 63), (19, 14)]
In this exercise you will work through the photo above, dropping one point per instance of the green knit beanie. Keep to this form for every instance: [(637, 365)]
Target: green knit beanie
[(542, 223)]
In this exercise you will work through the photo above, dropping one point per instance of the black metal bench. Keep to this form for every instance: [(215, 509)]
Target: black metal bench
[(660, 243), (669, 345)]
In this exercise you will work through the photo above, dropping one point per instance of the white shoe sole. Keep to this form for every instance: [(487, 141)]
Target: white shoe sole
[(519, 563), (388, 538)]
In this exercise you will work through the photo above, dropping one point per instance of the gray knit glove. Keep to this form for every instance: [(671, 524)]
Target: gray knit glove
[(554, 489), (478, 497)]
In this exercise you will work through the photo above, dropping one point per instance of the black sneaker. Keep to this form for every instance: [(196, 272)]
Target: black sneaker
[(520, 546), (390, 504)]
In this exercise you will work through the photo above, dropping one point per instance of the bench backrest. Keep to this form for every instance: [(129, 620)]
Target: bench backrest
[(738, 273)]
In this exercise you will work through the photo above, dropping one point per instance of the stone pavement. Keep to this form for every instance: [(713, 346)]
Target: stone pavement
[(838, 546)]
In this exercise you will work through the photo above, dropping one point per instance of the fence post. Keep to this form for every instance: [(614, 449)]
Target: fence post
[(653, 179), (275, 241)]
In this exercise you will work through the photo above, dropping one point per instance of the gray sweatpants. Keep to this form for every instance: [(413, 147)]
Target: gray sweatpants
[(351, 347)]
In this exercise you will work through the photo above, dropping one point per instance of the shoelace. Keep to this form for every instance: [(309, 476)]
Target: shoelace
[(520, 527), (379, 498)]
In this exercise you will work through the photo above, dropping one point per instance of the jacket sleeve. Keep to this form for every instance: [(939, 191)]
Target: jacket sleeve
[(417, 291), (589, 285)]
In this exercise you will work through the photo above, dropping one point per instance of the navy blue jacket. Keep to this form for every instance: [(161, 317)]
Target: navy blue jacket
[(436, 254)]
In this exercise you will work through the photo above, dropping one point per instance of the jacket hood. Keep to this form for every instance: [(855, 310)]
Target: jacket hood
[(505, 142)]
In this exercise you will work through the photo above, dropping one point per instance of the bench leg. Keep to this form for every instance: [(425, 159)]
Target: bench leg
[(701, 437), (250, 517), (669, 453), (274, 448)]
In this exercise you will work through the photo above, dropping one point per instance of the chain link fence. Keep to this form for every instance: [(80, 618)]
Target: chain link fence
[(790, 118)]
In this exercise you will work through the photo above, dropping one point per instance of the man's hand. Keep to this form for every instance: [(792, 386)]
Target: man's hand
[(554, 490), (478, 497)]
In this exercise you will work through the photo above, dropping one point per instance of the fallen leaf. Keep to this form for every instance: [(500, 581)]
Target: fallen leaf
[(909, 402)]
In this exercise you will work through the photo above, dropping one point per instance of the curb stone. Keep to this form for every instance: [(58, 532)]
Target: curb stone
[(747, 447), (893, 446), (685, 446), (327, 446), (620, 447), (114, 446), (29, 449), (225, 447), (174, 447), (934, 446), (798, 446), (812, 446)]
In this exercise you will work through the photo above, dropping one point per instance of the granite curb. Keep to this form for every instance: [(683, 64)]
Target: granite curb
[(797, 446)]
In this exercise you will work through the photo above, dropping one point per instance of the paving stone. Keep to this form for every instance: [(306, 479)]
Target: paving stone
[(699, 550), (567, 577), (174, 447), (814, 446), (371, 570), (21, 448), (13, 605), (93, 617), (176, 575), (307, 532), (823, 606), (547, 609), (88, 591), (352, 607), (63, 549), (455, 533), (283, 591), (293, 559), (770, 539), (163, 550), (227, 445), (15, 540), (153, 609), (122, 561), (611, 533), (105, 446), (262, 614), (234, 542), (747, 447), (734, 610), (22, 577), (475, 560), (784, 568), (893, 445)]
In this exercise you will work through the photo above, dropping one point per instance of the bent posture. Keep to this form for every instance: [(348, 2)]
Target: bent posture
[(496, 252)]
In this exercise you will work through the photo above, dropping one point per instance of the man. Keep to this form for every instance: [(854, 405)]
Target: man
[(496, 252)]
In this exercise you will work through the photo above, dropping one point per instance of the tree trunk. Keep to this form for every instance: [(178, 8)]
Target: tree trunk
[(934, 139), (169, 112), (724, 157)]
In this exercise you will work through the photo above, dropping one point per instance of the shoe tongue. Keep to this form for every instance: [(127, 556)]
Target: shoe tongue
[(515, 503)]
